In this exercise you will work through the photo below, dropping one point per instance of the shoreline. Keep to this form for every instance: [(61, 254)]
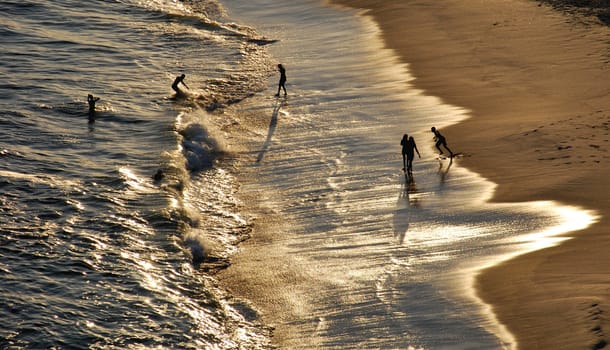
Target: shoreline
[(533, 81)]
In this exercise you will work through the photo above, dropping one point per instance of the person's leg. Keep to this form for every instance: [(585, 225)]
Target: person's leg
[(438, 146), (447, 148)]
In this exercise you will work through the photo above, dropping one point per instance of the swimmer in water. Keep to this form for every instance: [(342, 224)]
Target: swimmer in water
[(178, 80), (159, 175), (92, 100)]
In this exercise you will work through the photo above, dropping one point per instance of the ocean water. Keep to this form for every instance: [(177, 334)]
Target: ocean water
[(96, 253)]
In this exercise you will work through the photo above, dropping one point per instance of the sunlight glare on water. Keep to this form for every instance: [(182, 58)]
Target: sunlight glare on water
[(383, 255), (97, 253)]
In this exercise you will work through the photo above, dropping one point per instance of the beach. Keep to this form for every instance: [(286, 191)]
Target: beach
[(535, 83), (219, 215)]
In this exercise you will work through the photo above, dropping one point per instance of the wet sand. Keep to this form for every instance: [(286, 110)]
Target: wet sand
[(536, 83)]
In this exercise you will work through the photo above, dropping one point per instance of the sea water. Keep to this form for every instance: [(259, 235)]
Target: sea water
[(96, 253)]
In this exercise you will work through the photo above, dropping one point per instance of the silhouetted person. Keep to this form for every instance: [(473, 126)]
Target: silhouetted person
[(282, 84), (411, 146), (159, 175), (440, 140), (92, 100), (404, 142), (178, 80)]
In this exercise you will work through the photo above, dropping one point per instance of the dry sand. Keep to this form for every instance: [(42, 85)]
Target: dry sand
[(537, 84)]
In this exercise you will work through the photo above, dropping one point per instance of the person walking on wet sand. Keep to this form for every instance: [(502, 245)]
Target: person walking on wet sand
[(408, 152), (411, 146), (282, 84), (405, 144), (92, 100), (178, 80), (440, 140)]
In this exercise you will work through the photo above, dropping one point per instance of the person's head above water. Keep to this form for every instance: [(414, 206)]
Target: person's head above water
[(433, 129)]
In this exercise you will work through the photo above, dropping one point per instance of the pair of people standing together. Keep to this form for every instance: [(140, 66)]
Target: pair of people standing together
[(409, 148), (408, 152)]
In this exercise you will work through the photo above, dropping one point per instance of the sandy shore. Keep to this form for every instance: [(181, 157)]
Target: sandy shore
[(536, 83)]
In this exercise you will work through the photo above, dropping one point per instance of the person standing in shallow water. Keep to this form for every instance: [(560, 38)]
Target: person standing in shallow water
[(405, 144), (92, 100), (282, 84), (408, 152), (178, 80), (440, 140), (411, 146)]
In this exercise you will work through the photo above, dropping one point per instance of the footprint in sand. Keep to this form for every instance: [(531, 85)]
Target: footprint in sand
[(573, 146), (595, 315)]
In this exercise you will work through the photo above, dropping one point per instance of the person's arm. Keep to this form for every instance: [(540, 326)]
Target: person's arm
[(183, 83)]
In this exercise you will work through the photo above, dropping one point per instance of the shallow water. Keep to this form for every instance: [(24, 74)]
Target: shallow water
[(95, 253), (391, 260)]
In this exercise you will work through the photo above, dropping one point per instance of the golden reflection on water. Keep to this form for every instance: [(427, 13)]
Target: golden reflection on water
[(571, 219), (134, 181), (562, 220), (342, 183)]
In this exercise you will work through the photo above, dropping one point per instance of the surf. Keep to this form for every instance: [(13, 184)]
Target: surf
[(88, 211)]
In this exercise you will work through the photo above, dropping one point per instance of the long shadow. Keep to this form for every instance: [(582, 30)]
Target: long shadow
[(444, 172), (402, 213), (272, 127)]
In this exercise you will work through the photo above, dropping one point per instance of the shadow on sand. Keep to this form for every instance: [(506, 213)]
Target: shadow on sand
[(444, 171), (272, 127), (404, 205)]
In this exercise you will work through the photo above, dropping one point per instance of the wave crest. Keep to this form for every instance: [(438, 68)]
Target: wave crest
[(200, 147)]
